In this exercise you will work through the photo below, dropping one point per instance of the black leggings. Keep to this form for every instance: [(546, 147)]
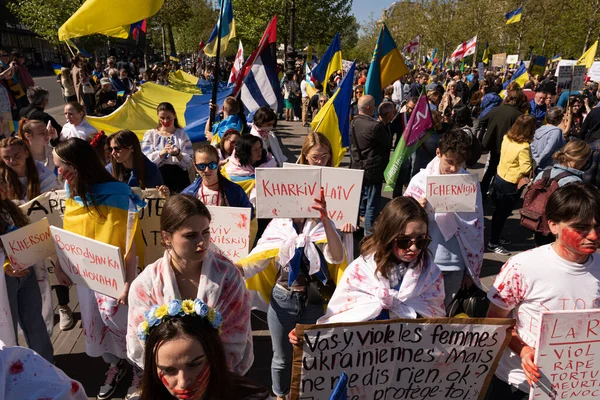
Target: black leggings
[(62, 293)]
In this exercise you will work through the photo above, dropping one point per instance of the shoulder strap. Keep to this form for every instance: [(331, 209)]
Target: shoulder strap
[(562, 175)]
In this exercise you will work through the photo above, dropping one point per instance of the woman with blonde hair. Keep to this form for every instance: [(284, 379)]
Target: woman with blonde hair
[(568, 168), (514, 170), (316, 150)]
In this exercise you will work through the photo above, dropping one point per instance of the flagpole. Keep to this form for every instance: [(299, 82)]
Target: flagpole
[(215, 88)]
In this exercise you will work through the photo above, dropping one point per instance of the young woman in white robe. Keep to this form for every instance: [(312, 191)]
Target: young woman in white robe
[(187, 270)]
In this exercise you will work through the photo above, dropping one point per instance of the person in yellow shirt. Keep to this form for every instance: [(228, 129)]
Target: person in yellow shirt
[(514, 171)]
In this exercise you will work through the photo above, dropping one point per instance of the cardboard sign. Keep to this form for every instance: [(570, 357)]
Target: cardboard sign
[(481, 71), (286, 192), (594, 72), (445, 358), (29, 245), (230, 231), (498, 60), (452, 193), (512, 59), (150, 223), (568, 355), (50, 205), (342, 188), (89, 262)]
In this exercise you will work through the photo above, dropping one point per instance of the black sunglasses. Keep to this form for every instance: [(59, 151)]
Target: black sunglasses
[(420, 243), (116, 149), (211, 165)]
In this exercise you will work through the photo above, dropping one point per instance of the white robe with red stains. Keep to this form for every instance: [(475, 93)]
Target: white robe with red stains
[(363, 293), (221, 286), (27, 375)]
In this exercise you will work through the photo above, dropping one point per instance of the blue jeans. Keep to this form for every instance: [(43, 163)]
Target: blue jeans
[(25, 306), (287, 308), (370, 204)]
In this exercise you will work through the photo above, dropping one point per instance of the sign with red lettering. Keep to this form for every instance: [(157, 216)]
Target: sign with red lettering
[(286, 192), (568, 355), (91, 263), (452, 193), (230, 231), (342, 187), (29, 244), (442, 358)]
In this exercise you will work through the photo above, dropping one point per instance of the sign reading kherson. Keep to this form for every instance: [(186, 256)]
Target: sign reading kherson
[(230, 231), (568, 355), (452, 193), (29, 244), (89, 262), (445, 358), (342, 188), (283, 192)]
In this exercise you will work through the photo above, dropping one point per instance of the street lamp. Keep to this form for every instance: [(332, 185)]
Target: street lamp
[(291, 51)]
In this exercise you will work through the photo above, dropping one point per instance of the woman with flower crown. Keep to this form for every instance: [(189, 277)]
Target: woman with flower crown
[(185, 357), (190, 270)]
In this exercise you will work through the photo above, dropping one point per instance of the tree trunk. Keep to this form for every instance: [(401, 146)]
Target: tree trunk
[(164, 43)]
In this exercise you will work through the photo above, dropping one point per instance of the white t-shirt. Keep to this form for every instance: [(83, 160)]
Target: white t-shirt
[(303, 88), (81, 131), (209, 197), (398, 94), (535, 281)]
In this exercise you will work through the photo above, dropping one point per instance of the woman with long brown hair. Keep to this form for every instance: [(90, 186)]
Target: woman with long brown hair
[(128, 163)]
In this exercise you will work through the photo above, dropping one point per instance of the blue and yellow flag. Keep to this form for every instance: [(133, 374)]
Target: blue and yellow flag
[(387, 65), (520, 76), (330, 62), (486, 54), (431, 59), (333, 120), (79, 49), (107, 17), (556, 58), (56, 68), (173, 57), (514, 16), (227, 31)]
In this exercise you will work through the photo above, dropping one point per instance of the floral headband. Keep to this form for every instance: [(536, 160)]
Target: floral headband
[(178, 308)]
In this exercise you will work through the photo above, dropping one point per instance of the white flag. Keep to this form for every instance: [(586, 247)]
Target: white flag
[(237, 64)]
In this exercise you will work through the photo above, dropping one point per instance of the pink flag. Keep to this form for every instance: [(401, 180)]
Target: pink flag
[(418, 123)]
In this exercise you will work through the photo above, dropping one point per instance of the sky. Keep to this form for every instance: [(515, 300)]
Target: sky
[(363, 8)]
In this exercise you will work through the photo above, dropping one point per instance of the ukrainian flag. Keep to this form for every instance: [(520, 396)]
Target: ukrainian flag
[(227, 32), (79, 49), (173, 57), (387, 65), (119, 224), (138, 113), (56, 68), (514, 16), (520, 76), (107, 17), (333, 120), (486, 55), (556, 58), (330, 62), (431, 60)]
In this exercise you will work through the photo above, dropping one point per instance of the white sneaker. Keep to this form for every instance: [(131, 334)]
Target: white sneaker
[(66, 318), (134, 392), (113, 376)]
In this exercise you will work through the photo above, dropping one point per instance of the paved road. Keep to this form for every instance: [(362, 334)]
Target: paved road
[(69, 346)]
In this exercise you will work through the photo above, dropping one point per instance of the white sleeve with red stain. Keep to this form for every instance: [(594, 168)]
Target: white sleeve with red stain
[(508, 290)]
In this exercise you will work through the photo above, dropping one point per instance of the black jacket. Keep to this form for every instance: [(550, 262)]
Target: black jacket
[(496, 124), (374, 140), (590, 127)]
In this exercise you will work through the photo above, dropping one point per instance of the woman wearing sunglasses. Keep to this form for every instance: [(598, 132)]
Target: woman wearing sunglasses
[(457, 237), (129, 165)]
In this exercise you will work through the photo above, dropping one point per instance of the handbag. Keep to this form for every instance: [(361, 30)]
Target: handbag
[(88, 88), (473, 302), (317, 292)]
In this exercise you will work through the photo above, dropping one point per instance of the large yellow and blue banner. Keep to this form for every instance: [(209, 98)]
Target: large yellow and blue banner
[(387, 65)]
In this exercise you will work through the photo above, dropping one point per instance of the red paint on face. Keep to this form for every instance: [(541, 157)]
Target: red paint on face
[(16, 368), (194, 391), (574, 241)]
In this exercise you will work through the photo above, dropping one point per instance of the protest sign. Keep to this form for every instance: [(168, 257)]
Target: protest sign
[(578, 77), (445, 358), (346, 65), (481, 70), (286, 192), (150, 223), (564, 64), (230, 231), (564, 78), (568, 355), (594, 72), (50, 205), (498, 60), (89, 262), (342, 188), (29, 244), (452, 193), (512, 59)]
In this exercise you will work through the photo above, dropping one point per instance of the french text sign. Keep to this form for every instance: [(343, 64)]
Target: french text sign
[(445, 358), (29, 244), (89, 262), (568, 355), (50, 205), (452, 193), (286, 192), (342, 188), (150, 223), (230, 231)]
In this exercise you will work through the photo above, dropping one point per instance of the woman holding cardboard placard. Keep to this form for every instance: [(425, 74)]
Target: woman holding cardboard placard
[(190, 270), (290, 269), (101, 208)]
